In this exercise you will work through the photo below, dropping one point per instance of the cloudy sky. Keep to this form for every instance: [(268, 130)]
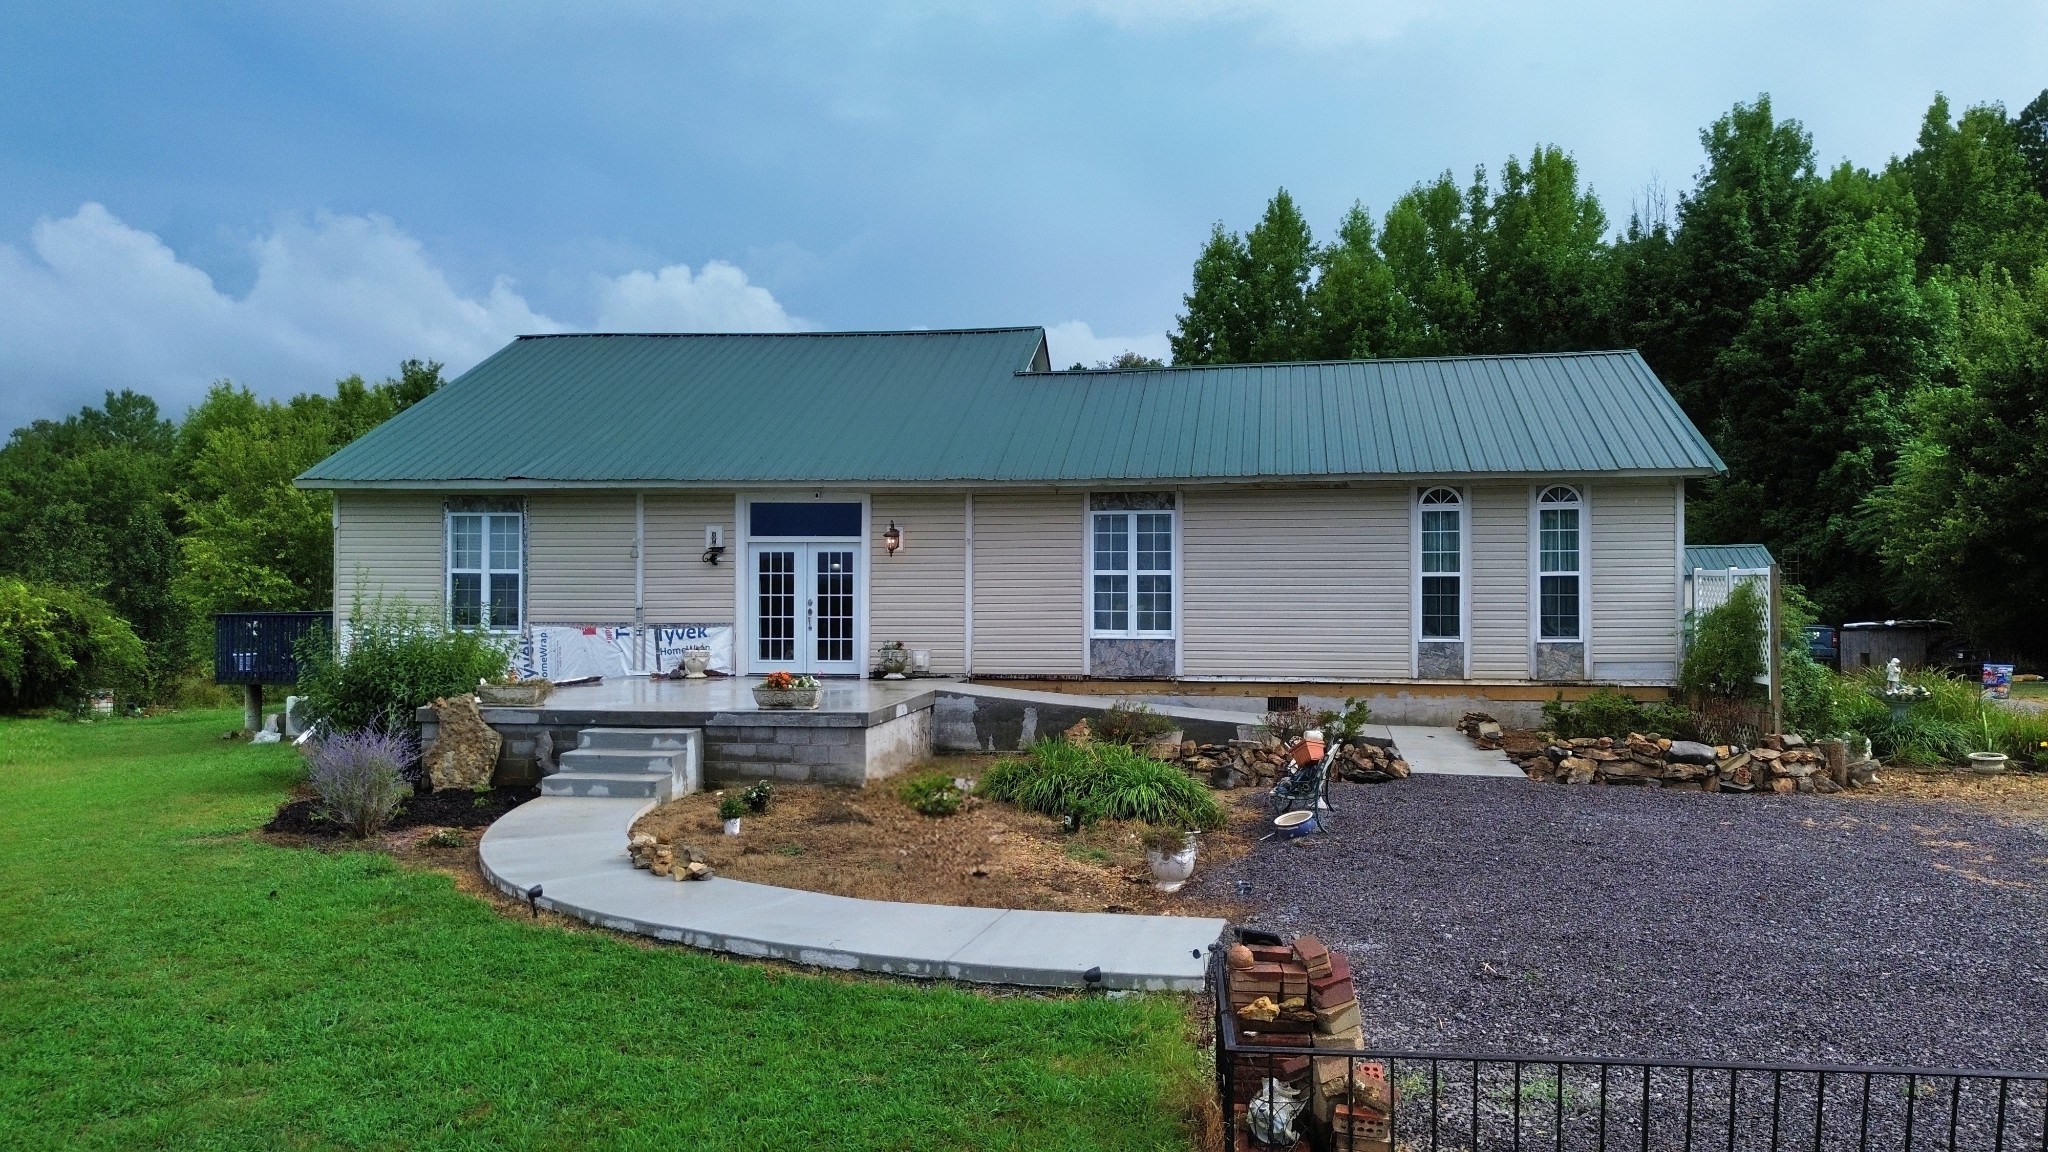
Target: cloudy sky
[(285, 194)]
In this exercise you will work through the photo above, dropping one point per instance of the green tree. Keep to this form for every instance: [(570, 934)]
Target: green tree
[(1356, 309), (2030, 133), (1431, 245), (57, 644), (1544, 262), (1975, 191), (84, 505), (1963, 528), (1249, 302), (1814, 415)]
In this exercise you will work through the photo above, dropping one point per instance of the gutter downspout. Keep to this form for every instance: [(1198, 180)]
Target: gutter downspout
[(640, 582)]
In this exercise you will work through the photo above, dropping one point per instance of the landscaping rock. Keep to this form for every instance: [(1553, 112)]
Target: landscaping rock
[(466, 752), (1689, 752)]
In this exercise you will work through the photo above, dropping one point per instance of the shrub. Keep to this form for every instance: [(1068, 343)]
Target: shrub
[(1090, 782), (757, 797), (398, 659), (1347, 725), (1725, 655), (1133, 725), (731, 806), (931, 793), (1606, 712), (360, 777), (1288, 725), (57, 644)]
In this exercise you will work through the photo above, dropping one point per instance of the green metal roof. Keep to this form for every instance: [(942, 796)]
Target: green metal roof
[(979, 406), (1723, 556)]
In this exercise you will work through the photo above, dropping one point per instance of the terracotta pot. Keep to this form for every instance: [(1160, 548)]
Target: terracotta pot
[(1308, 752)]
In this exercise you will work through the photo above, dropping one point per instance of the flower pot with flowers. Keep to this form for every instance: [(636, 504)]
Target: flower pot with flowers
[(512, 692), (787, 690)]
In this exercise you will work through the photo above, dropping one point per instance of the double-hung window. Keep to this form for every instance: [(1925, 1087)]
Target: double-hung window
[(1442, 526), (1132, 559), (1559, 518), (484, 570)]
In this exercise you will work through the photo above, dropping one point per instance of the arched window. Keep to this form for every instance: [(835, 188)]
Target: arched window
[(1559, 562), (1443, 564)]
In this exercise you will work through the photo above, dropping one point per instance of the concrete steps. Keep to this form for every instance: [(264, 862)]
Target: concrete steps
[(638, 763)]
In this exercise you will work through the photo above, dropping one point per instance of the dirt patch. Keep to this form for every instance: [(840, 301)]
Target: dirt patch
[(447, 808), (2019, 794), (867, 843)]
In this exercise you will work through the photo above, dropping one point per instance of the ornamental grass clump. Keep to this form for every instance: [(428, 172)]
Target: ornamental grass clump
[(360, 778), (1084, 783), (931, 794)]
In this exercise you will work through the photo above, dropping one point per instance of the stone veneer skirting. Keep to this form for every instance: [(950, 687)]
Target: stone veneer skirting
[(1440, 660), (1131, 659), (1560, 660)]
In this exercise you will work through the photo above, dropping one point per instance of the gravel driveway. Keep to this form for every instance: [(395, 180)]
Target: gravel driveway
[(1503, 916)]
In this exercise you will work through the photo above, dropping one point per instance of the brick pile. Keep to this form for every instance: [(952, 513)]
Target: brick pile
[(1302, 996)]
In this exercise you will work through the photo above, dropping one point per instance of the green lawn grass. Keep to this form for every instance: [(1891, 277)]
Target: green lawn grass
[(168, 980)]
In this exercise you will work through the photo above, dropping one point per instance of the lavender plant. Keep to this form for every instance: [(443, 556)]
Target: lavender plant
[(360, 777)]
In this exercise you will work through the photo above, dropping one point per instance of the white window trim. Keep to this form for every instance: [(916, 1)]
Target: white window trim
[(1088, 567), (1536, 573), (1464, 574), (448, 568)]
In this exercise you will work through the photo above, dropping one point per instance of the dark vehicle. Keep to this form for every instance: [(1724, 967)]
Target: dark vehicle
[(1824, 644)]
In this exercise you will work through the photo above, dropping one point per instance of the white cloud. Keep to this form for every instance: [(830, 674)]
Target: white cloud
[(716, 299), (94, 304), (1309, 23), (1074, 342)]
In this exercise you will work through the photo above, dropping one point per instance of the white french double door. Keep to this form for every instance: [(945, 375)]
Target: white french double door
[(805, 606)]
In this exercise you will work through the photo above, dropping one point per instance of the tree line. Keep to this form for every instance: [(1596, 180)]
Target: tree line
[(1867, 349), (123, 531)]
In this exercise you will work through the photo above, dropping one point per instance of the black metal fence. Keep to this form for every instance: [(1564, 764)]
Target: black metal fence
[(1451, 1102), (256, 647)]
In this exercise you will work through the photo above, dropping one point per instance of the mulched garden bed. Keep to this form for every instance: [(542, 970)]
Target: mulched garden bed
[(448, 808), (1496, 916), (867, 843)]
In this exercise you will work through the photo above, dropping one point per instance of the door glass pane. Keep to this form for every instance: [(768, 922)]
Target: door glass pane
[(465, 599), (835, 606), (775, 605), (504, 600)]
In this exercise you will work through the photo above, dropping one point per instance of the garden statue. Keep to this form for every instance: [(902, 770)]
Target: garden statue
[(1892, 679)]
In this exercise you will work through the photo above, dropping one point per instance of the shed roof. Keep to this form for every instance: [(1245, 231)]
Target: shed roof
[(980, 406), (1717, 557)]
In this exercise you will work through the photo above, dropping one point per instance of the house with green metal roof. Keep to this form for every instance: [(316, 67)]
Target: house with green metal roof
[(1423, 532)]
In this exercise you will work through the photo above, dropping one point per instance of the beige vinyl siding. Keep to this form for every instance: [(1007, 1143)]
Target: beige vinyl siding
[(1634, 579), (1295, 582), (579, 558), (1498, 566), (919, 595), (681, 587), (1027, 584), (388, 544)]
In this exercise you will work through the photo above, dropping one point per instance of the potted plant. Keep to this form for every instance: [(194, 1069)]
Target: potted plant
[(730, 809), (893, 660), (1990, 759), (787, 690), (757, 797), (695, 661), (1170, 853), (512, 692)]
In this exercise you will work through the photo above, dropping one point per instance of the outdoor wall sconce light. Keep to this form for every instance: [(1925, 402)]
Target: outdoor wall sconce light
[(714, 543), (893, 538)]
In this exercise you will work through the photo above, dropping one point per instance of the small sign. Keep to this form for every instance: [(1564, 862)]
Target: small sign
[(1997, 681)]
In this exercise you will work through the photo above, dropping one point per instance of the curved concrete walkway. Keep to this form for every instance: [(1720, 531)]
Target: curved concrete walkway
[(575, 849)]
